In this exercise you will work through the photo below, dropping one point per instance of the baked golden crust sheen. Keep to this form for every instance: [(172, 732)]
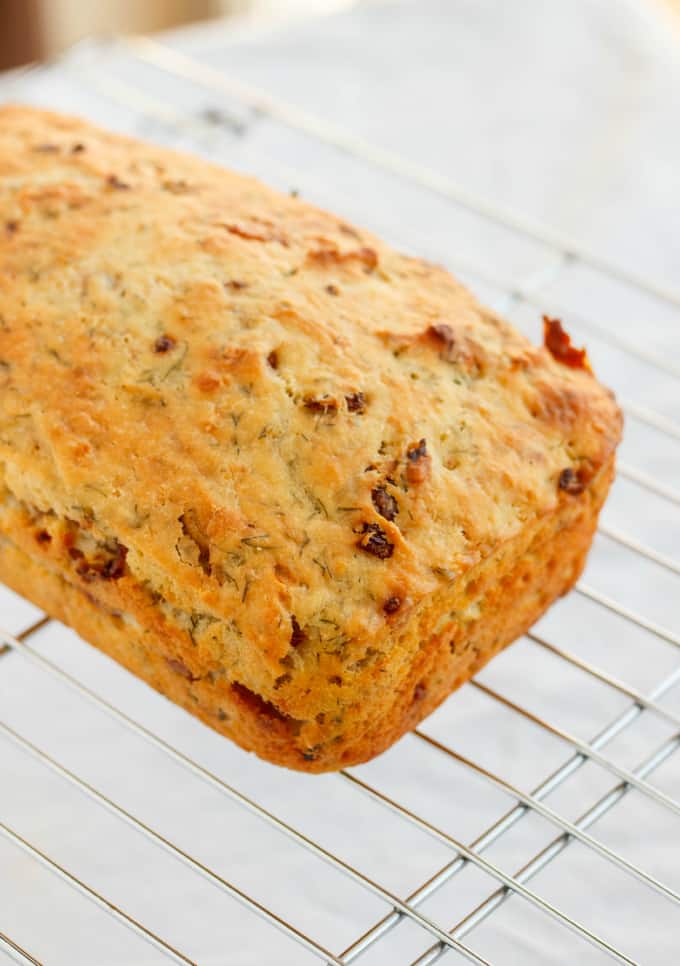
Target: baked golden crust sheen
[(292, 478)]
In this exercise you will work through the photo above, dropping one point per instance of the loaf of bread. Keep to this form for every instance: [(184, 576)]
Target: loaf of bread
[(301, 484)]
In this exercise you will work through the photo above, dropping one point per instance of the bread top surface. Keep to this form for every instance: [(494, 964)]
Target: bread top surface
[(280, 417)]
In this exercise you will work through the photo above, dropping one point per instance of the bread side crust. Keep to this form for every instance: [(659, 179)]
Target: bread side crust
[(502, 599)]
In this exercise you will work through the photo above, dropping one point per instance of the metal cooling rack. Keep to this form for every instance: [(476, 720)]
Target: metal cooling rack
[(403, 882)]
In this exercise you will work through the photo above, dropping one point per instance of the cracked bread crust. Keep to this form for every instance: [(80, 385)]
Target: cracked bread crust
[(300, 483)]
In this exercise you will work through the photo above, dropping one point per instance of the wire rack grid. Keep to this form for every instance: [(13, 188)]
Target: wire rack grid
[(201, 855)]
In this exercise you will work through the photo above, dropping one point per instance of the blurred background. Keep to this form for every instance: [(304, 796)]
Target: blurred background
[(36, 29)]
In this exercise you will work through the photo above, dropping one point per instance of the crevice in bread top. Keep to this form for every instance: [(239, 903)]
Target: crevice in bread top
[(280, 449)]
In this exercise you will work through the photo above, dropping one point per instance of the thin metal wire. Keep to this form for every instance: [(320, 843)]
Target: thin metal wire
[(521, 293), (526, 293), (182, 65), (23, 955), (475, 859), (26, 633), (33, 628), (213, 877), (552, 816), (234, 794), (509, 820), (137, 927), (623, 773), (396, 903), (17, 952), (606, 678), (663, 424), (608, 603), (94, 793), (630, 543), (551, 851), (648, 482)]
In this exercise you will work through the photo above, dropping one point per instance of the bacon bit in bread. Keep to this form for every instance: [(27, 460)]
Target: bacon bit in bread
[(570, 482), (297, 636), (392, 605), (164, 343), (273, 359), (384, 502), (326, 404), (113, 181), (419, 462), (356, 402), (42, 536), (419, 691), (374, 541), (115, 567), (100, 568), (417, 451), (558, 344), (332, 290)]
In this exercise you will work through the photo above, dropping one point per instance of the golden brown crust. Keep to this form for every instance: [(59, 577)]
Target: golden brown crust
[(294, 461), (513, 595)]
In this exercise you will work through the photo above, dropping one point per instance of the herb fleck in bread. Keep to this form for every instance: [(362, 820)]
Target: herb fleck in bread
[(301, 484)]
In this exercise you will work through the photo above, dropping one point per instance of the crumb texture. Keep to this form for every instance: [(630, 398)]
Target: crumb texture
[(274, 467)]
